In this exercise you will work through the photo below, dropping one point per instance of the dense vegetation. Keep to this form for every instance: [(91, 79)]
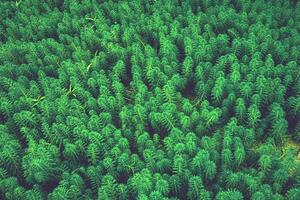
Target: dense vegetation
[(149, 100)]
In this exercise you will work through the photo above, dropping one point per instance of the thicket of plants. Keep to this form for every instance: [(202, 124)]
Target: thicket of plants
[(149, 100)]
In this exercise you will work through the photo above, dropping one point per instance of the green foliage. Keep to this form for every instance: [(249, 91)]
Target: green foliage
[(253, 116), (230, 194), (195, 187), (41, 163), (142, 182), (149, 100)]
